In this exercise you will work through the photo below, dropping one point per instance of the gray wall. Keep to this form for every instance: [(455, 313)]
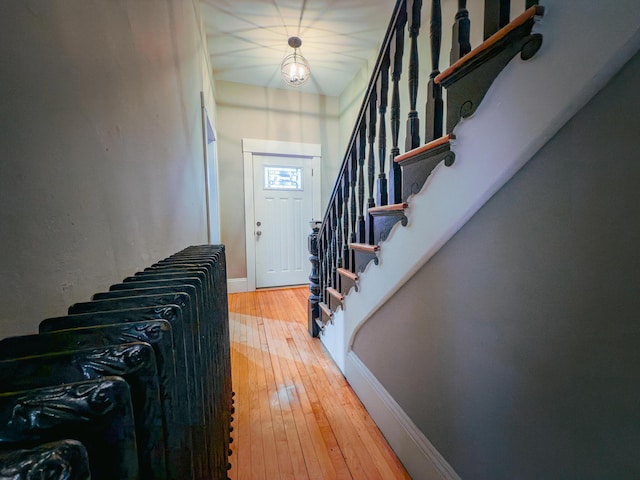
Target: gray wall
[(516, 348), (101, 157), (246, 111)]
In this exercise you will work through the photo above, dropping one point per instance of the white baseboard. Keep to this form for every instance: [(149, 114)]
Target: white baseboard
[(414, 450), (237, 285)]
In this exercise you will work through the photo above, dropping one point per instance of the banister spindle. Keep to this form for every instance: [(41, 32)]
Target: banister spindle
[(336, 250), (339, 205), (371, 164), (332, 247), (328, 272), (325, 259), (353, 177), (435, 106), (460, 44), (328, 256), (322, 259), (496, 16), (362, 142), (412, 139), (383, 89), (395, 54), (345, 219)]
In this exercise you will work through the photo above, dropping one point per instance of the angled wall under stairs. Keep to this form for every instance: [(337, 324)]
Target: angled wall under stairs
[(516, 348), (525, 107)]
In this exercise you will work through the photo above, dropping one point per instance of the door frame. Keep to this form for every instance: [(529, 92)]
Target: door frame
[(251, 147), (212, 199)]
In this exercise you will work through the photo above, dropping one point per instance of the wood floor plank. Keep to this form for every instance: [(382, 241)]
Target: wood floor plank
[(331, 449), (367, 431), (241, 394), (269, 413), (354, 449), (311, 425), (388, 465), (285, 400), (236, 345), (258, 441), (295, 390)]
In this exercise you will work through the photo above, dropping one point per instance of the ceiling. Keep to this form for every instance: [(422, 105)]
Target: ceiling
[(247, 39)]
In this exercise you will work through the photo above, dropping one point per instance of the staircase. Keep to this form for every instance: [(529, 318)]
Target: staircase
[(352, 234), (505, 99)]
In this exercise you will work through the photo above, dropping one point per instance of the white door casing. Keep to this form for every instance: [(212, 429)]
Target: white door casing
[(278, 153), (212, 200)]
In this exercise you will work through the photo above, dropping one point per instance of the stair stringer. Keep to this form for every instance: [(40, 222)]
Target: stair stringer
[(524, 108)]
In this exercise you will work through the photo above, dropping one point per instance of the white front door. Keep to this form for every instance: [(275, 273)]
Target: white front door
[(283, 207)]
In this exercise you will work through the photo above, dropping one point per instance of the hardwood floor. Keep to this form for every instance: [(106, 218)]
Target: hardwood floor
[(296, 417)]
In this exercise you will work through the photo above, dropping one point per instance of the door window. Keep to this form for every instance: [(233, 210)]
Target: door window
[(282, 178)]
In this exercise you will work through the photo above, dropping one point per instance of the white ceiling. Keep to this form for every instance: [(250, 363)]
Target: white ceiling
[(247, 39)]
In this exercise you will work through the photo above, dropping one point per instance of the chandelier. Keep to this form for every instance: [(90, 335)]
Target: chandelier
[(295, 68)]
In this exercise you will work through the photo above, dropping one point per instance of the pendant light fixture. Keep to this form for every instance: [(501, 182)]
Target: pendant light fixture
[(295, 68)]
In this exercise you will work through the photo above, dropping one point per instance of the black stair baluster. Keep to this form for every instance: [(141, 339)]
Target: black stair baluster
[(339, 209), (396, 53), (383, 89), (435, 105), (327, 260), (322, 253), (328, 270), (314, 281), (412, 139), (332, 246), (371, 164), (362, 142), (327, 266), (345, 221), (496, 16), (336, 247), (353, 178), (461, 44)]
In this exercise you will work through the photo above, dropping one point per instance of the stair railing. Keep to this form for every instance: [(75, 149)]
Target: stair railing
[(351, 223)]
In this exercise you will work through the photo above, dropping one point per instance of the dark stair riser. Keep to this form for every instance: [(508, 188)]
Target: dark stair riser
[(416, 169)]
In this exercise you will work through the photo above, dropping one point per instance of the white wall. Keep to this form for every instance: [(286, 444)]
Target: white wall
[(246, 111), (101, 157)]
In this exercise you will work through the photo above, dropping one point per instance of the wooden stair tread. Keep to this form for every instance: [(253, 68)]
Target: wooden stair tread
[(389, 208), (325, 308), (347, 273), (425, 148), (335, 293), (531, 12), (364, 247)]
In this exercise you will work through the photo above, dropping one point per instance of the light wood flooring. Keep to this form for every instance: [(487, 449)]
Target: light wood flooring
[(296, 417)]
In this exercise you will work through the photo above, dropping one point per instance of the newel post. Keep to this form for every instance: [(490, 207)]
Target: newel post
[(314, 278)]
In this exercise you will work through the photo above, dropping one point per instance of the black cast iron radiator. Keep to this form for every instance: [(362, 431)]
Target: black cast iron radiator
[(134, 384)]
